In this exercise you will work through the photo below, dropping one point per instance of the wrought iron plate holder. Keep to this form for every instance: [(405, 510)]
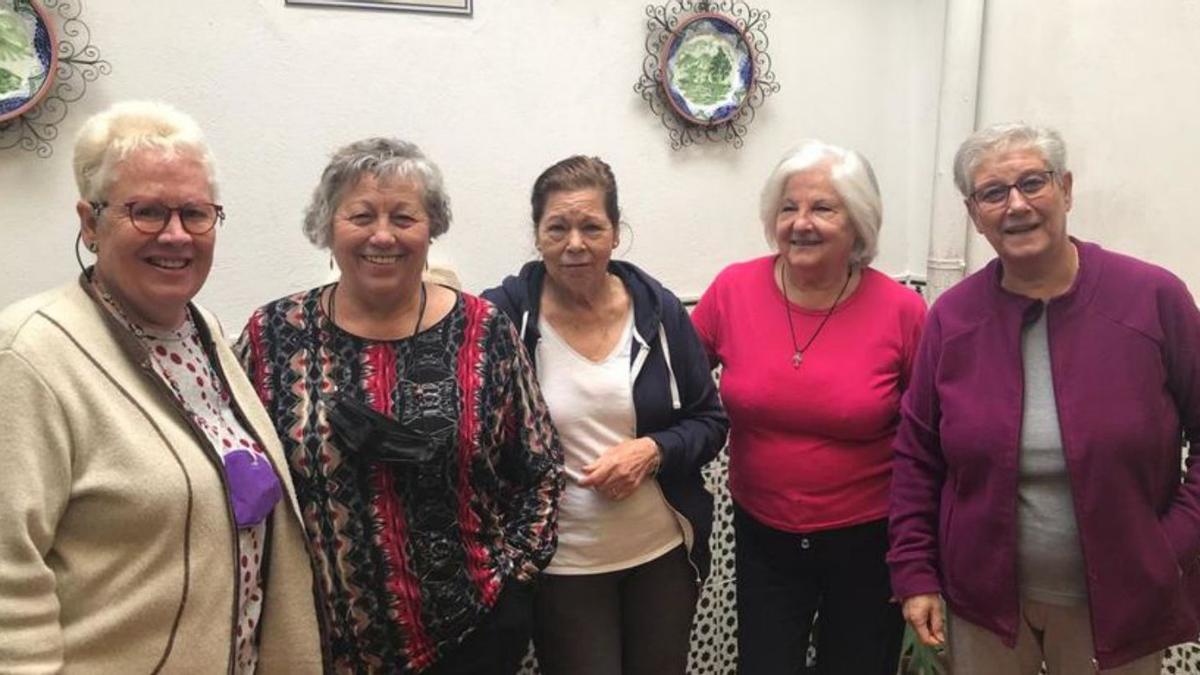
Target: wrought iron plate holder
[(79, 63), (662, 23)]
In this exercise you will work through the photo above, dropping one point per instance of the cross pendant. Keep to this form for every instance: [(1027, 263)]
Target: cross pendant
[(797, 358)]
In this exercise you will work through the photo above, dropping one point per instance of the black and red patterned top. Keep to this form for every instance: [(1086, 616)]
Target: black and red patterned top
[(409, 561)]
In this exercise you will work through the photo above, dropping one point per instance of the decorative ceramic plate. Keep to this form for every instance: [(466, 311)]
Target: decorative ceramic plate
[(27, 56), (707, 69)]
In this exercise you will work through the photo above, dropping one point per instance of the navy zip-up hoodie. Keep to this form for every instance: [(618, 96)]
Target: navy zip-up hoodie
[(674, 397)]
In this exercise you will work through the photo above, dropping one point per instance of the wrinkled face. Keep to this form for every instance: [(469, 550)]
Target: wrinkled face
[(1024, 226), (812, 227), (576, 238), (380, 235), (152, 276)]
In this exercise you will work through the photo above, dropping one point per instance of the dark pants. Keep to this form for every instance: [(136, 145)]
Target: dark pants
[(784, 579), (630, 622), (497, 646)]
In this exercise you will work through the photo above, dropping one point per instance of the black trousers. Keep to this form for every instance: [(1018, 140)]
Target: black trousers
[(496, 646), (840, 576), (629, 622)]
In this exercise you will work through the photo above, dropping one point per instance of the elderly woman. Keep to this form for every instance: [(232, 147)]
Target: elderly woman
[(425, 463), (1037, 485), (816, 349), (144, 491), (629, 389)]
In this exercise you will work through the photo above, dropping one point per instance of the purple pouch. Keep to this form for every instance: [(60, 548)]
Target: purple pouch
[(253, 486)]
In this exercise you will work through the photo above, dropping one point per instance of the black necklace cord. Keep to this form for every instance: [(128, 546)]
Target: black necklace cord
[(420, 307), (333, 322), (798, 351)]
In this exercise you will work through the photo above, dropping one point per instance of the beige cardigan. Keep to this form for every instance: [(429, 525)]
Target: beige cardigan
[(117, 541)]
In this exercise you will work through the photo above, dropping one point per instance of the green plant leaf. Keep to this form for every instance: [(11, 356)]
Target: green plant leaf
[(917, 658)]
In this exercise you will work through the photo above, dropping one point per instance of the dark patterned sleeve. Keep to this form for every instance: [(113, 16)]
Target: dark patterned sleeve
[(248, 349), (531, 458)]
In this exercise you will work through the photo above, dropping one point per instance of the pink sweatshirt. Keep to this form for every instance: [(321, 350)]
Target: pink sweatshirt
[(810, 447)]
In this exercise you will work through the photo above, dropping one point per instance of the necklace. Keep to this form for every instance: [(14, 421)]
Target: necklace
[(420, 307), (346, 372), (798, 353)]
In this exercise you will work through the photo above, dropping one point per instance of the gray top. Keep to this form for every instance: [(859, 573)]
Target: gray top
[(1049, 559)]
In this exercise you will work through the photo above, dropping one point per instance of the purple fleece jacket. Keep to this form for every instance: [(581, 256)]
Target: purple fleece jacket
[(1125, 357)]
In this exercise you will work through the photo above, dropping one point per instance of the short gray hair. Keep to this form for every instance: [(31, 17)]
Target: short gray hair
[(382, 158), (852, 178), (112, 135), (1004, 137)]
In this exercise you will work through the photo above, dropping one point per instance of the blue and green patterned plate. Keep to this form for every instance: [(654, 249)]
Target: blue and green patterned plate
[(27, 56), (707, 69)]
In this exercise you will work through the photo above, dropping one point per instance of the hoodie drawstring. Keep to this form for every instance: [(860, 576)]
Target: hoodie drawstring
[(662, 339)]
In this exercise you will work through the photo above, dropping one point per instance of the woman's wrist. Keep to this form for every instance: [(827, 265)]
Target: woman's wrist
[(657, 460)]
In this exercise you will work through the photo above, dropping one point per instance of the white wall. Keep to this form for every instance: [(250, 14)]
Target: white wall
[(1120, 80), (493, 99)]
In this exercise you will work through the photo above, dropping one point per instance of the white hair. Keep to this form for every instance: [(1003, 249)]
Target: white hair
[(1004, 137), (110, 136), (852, 178)]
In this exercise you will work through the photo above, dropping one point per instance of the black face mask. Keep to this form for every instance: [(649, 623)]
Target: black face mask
[(359, 429)]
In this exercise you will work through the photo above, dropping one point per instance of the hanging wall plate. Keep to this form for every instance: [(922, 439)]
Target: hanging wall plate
[(28, 59), (706, 69), (31, 121)]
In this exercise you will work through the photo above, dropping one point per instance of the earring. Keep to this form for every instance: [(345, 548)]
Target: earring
[(93, 247), (330, 261)]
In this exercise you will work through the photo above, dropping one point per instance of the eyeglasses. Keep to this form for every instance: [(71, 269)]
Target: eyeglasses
[(1030, 185), (153, 217)]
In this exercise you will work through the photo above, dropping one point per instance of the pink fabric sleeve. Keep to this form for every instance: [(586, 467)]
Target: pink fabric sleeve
[(706, 321)]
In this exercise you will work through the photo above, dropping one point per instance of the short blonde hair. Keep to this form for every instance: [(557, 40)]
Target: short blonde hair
[(112, 135), (852, 178)]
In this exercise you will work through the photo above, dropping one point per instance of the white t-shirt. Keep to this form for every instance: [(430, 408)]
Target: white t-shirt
[(591, 404)]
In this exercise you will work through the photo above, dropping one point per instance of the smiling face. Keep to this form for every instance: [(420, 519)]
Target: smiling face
[(812, 226), (576, 238), (1023, 228), (380, 236), (152, 276)]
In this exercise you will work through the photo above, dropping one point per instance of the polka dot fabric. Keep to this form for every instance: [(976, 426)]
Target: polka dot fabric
[(714, 632), (180, 361)]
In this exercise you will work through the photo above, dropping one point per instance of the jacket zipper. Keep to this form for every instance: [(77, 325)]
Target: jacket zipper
[(1087, 575), (689, 535), (639, 360)]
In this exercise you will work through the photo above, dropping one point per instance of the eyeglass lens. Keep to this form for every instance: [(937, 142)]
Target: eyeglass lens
[(153, 217), (1029, 186)]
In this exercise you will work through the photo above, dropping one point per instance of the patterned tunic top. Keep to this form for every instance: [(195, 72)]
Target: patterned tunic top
[(410, 558)]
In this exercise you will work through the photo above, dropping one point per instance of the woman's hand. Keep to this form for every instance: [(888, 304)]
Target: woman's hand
[(924, 612), (622, 468)]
